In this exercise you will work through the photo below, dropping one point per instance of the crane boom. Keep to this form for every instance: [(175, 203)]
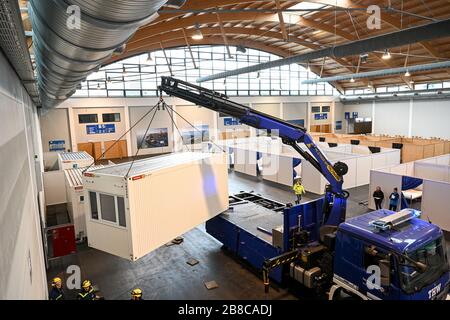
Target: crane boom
[(290, 134)]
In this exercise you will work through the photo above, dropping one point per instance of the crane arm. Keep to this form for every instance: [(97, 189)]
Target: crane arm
[(290, 134)]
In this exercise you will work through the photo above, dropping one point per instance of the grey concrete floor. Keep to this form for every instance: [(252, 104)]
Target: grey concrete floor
[(164, 273)]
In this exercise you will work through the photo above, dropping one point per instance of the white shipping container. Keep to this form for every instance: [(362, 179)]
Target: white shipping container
[(162, 198), (75, 199), (73, 160)]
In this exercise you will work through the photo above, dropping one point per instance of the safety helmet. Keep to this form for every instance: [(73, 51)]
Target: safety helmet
[(86, 284), (56, 281), (136, 293)]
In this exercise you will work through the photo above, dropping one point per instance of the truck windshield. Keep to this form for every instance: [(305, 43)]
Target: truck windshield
[(433, 256)]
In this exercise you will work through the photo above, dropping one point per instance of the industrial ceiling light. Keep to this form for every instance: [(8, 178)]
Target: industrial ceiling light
[(124, 71), (109, 80), (352, 80), (98, 86), (241, 49), (308, 68), (149, 57), (407, 74), (198, 35), (386, 55)]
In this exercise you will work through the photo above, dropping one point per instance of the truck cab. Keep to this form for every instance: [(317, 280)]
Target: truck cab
[(390, 256)]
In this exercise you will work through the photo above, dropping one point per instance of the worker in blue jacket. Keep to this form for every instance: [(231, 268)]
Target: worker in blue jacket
[(57, 292), (87, 292), (393, 200)]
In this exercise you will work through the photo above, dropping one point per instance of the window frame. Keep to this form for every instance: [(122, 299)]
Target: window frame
[(114, 115), (87, 114), (116, 210)]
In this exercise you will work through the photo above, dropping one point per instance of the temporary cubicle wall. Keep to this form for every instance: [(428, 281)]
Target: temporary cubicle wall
[(280, 163), (412, 148), (434, 173)]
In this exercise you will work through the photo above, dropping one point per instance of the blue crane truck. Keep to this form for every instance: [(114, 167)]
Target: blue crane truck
[(379, 255)]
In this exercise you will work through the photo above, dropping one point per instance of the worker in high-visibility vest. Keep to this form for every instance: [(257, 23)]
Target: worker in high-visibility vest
[(87, 292), (299, 190), (57, 292)]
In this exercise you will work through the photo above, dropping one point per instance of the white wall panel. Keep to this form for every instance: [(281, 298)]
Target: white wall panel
[(392, 118), (54, 187), (430, 119), (363, 166), (22, 265), (387, 182), (435, 203)]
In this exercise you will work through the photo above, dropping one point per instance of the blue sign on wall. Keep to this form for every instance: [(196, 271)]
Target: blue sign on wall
[(57, 145), (231, 121), (320, 116), (355, 115), (338, 125), (347, 115), (100, 128)]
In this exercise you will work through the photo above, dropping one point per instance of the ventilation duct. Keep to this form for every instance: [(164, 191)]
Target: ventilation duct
[(67, 51), (431, 31), (382, 73)]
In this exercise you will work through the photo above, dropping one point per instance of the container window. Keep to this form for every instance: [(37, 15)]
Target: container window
[(108, 208), (111, 117), (326, 109), (121, 211), (93, 201), (87, 118)]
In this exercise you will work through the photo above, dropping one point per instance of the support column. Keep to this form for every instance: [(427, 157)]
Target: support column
[(73, 137), (373, 116), (411, 107), (127, 127)]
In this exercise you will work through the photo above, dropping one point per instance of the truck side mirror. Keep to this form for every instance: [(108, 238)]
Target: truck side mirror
[(385, 273)]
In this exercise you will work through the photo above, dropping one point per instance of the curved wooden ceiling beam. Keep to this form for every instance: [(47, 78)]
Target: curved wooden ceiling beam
[(218, 41), (199, 5), (172, 35), (385, 17), (209, 18)]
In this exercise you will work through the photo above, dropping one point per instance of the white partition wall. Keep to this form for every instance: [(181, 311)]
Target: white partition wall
[(363, 166), (54, 187), (432, 171), (435, 203), (387, 182), (435, 190), (275, 155), (350, 179), (312, 180)]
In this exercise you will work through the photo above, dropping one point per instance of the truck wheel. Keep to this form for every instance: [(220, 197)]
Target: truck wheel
[(342, 295)]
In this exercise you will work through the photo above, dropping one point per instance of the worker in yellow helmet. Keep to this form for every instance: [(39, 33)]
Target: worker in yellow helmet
[(87, 292), (57, 292), (136, 294), (299, 190)]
